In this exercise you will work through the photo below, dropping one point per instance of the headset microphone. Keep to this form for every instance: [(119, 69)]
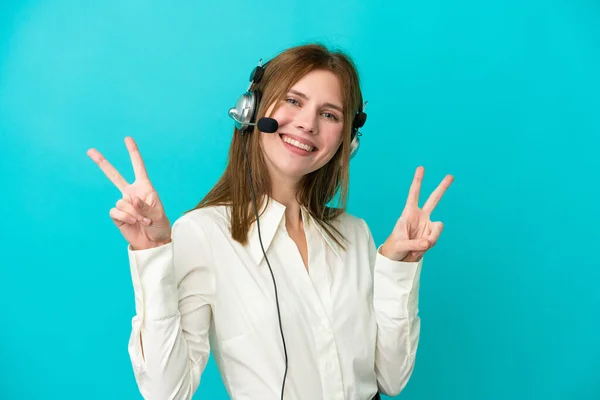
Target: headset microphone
[(266, 125)]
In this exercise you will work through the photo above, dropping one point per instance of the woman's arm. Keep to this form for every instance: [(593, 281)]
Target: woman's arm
[(395, 303), (174, 291)]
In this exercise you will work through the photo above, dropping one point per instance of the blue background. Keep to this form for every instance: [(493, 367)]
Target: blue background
[(502, 94)]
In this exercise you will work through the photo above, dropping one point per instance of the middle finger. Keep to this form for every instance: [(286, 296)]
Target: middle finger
[(437, 194)]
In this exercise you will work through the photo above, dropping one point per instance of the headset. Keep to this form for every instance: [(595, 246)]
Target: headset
[(244, 115), (246, 108)]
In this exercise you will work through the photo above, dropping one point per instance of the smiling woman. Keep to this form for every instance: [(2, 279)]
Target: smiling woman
[(333, 316)]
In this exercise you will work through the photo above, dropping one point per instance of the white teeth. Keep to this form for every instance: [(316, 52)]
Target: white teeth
[(297, 144)]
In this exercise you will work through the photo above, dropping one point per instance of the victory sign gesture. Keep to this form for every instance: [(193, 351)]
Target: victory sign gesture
[(139, 214), (415, 233)]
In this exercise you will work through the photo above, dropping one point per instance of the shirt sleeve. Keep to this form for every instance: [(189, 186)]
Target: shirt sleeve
[(174, 289), (395, 303)]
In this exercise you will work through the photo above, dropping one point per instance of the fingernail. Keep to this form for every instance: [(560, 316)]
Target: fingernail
[(146, 220)]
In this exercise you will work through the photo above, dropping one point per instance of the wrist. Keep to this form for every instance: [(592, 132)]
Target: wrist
[(162, 243), (386, 250)]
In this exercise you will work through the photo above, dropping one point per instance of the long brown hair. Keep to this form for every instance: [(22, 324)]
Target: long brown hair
[(317, 189)]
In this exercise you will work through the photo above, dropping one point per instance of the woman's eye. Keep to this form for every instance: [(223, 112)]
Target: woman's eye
[(330, 116), (293, 101)]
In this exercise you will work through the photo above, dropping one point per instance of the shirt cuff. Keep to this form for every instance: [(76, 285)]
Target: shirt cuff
[(399, 270), (397, 282), (154, 284)]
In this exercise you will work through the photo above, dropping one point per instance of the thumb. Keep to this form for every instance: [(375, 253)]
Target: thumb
[(153, 213), (142, 207)]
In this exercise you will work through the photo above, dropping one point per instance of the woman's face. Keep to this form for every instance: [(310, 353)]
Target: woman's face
[(311, 122)]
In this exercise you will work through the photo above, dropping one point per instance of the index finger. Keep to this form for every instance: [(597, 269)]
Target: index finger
[(437, 194), (106, 167), (136, 159), (415, 188)]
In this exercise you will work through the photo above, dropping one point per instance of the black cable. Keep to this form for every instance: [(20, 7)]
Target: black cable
[(267, 260)]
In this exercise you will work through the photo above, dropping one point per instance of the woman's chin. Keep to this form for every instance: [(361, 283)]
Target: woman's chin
[(295, 170)]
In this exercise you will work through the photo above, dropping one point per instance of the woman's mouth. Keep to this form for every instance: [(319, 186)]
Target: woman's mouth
[(297, 145)]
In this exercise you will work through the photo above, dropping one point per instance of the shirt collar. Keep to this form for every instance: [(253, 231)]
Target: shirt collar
[(272, 219)]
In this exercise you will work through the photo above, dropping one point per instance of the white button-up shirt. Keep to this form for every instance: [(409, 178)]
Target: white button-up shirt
[(350, 321)]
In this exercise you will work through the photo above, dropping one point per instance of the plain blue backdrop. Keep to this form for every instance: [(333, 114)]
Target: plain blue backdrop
[(504, 95)]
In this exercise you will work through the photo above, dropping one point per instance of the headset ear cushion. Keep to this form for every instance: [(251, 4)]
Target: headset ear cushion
[(359, 120), (256, 95)]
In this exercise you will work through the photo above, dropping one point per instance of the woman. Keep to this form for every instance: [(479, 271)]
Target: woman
[(297, 303)]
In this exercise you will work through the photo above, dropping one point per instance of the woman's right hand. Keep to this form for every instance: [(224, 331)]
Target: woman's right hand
[(139, 214)]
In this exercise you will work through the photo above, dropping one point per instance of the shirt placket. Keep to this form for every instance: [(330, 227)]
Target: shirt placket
[(326, 347)]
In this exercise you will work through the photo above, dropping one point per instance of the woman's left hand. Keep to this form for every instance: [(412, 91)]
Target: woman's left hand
[(414, 232)]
